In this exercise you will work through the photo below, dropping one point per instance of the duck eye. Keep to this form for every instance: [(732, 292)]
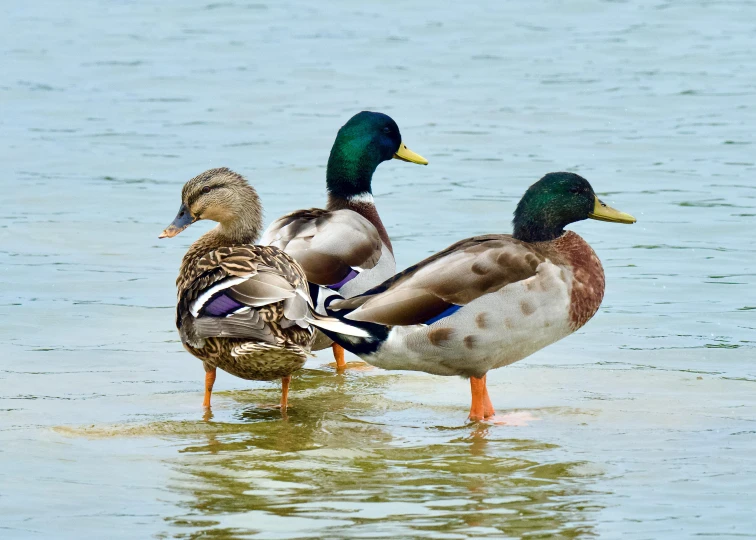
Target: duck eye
[(206, 189), (575, 189), (387, 130)]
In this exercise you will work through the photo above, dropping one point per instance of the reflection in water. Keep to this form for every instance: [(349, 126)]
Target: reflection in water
[(336, 467)]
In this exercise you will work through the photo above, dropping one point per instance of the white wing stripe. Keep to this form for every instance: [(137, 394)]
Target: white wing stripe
[(205, 296)]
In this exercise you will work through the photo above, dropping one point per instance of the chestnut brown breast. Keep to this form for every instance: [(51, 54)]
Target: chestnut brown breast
[(588, 280)]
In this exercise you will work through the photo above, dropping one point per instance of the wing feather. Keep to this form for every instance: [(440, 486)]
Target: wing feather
[(232, 284), (456, 276), (327, 244), (261, 289)]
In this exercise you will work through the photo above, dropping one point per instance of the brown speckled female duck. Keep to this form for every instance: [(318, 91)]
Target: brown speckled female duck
[(242, 308)]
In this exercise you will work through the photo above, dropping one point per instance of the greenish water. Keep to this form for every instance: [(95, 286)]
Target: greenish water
[(642, 425)]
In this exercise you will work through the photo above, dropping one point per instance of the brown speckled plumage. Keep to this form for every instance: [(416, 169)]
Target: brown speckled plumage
[(241, 307), (257, 360)]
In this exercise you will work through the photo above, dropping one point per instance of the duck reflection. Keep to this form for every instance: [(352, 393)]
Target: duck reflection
[(341, 459)]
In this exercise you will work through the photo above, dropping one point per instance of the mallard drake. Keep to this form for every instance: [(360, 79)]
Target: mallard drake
[(487, 301), (243, 308), (345, 246)]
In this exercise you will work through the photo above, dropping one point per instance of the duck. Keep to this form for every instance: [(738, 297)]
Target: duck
[(488, 301), (345, 246), (241, 307)]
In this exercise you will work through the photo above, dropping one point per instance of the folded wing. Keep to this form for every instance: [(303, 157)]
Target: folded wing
[(454, 277), (329, 245), (225, 297)]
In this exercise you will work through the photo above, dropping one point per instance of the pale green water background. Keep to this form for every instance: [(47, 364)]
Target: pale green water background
[(647, 416)]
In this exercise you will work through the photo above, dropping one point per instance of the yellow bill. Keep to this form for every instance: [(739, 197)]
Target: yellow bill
[(405, 154), (602, 212)]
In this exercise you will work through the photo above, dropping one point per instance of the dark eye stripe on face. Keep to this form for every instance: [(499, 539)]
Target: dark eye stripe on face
[(199, 193)]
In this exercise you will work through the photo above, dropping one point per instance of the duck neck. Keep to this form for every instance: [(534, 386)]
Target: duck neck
[(243, 228), (364, 205), (351, 165), (535, 220), (242, 223), (535, 231), (349, 179)]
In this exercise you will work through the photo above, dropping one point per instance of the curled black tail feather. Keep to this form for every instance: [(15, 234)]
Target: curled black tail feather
[(361, 346)]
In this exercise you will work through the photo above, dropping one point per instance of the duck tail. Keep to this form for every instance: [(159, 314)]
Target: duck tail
[(332, 325), (322, 296), (357, 337)]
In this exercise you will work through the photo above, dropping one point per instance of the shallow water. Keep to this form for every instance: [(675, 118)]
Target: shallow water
[(642, 425)]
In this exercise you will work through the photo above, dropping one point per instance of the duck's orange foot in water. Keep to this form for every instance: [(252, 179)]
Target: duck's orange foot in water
[(285, 381), (341, 364), (210, 373), (481, 407), (338, 354), (283, 405)]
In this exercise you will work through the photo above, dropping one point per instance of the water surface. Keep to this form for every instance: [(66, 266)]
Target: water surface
[(645, 419)]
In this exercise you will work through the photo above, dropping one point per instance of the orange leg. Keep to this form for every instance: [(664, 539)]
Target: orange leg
[(338, 354), (209, 382), (481, 407), (285, 392), (488, 408)]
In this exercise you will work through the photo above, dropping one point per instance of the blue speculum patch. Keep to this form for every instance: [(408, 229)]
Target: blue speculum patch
[(349, 277), (445, 313), (221, 305)]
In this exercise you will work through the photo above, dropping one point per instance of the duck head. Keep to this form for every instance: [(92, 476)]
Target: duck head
[(554, 202), (363, 143), (223, 196)]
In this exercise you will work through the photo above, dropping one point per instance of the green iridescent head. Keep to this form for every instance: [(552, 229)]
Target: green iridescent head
[(554, 202), (363, 143)]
